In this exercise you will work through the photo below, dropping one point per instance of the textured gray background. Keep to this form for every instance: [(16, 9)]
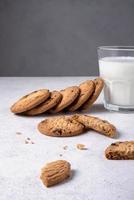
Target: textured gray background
[(59, 37)]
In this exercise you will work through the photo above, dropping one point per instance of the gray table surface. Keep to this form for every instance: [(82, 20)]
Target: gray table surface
[(93, 177)]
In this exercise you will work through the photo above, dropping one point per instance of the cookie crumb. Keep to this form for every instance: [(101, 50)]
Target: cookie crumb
[(65, 147), (18, 133), (60, 155), (81, 147), (26, 142)]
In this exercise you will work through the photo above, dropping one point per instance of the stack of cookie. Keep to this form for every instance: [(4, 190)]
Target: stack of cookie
[(70, 99)]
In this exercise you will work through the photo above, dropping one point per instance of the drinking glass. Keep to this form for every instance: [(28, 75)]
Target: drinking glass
[(116, 67)]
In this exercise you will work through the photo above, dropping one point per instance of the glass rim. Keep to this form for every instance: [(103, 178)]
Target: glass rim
[(117, 48)]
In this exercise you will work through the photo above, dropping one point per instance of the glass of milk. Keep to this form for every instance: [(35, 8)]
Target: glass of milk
[(116, 66)]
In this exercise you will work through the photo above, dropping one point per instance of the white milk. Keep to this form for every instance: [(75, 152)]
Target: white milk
[(118, 73)]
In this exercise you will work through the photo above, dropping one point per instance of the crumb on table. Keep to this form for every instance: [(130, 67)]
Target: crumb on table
[(65, 147), (26, 142), (81, 147), (18, 133)]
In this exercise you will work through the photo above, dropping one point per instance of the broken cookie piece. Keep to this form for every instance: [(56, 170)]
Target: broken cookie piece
[(97, 124), (55, 172), (120, 151)]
